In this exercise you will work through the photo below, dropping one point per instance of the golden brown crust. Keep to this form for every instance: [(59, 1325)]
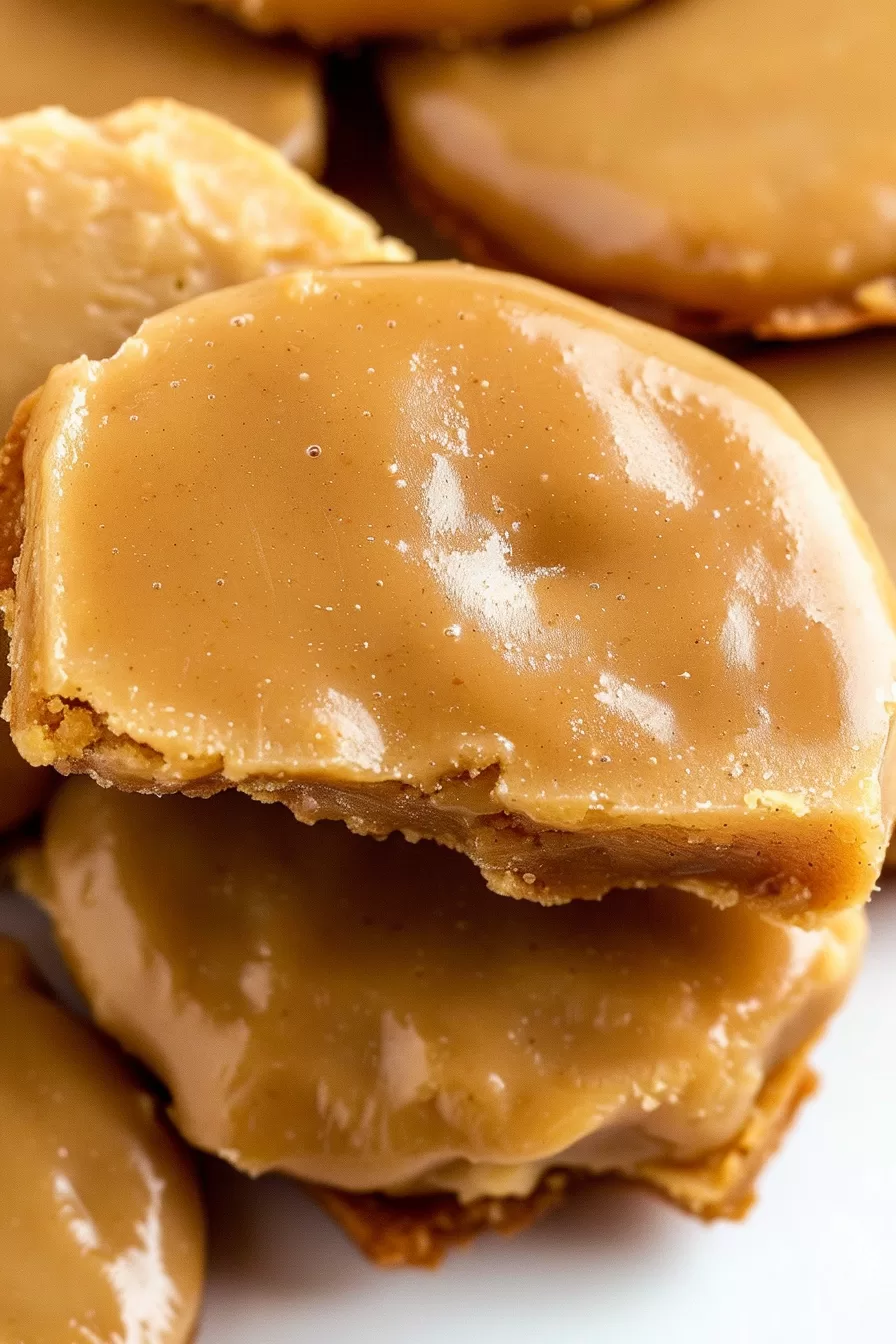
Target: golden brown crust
[(73, 738), (417, 1232), (872, 304), (12, 489)]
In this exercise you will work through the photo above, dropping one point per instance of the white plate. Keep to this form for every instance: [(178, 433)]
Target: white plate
[(814, 1263)]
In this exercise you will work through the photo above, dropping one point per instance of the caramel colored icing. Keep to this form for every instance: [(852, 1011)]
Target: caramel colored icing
[(327, 22), (370, 1016), (846, 392), (23, 789), (716, 163), (92, 56), (104, 223), (101, 1229), (435, 549)]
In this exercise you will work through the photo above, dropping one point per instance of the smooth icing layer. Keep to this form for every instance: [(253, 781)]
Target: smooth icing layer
[(714, 164), (104, 223), (429, 548), (369, 1016), (101, 1228), (846, 392)]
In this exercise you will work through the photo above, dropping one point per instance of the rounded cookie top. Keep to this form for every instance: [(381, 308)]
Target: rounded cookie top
[(101, 1229), (710, 163), (406, 524)]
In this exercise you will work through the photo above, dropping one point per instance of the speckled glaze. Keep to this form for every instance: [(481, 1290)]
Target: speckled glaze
[(433, 534)]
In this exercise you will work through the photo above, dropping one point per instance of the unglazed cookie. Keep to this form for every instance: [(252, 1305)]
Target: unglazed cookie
[(93, 56), (713, 164), (103, 223), (101, 1228), (370, 1018), (439, 550), (327, 22)]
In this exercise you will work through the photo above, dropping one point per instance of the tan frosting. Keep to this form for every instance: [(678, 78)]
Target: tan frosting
[(846, 392), (92, 56), (434, 548), (101, 1229), (332, 21), (369, 1016), (104, 223), (715, 162)]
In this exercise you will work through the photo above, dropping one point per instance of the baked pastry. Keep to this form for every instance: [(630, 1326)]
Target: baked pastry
[(309, 538), (329, 22), (711, 164), (370, 1018), (101, 1227), (154, 48), (104, 223)]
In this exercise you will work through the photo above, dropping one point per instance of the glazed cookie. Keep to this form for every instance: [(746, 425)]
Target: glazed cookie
[(440, 550), (329, 22), (711, 164), (103, 223), (101, 1227), (371, 1019), (154, 48)]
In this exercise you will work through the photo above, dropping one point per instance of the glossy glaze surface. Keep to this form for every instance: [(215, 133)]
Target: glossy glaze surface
[(369, 1015), (330, 22), (846, 392), (437, 528), (101, 1230), (158, 49), (719, 161), (104, 223)]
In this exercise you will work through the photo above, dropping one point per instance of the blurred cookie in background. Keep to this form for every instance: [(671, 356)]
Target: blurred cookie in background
[(330, 22), (705, 163), (92, 56)]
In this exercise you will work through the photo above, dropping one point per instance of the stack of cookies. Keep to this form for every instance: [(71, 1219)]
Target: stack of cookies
[(475, 702)]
